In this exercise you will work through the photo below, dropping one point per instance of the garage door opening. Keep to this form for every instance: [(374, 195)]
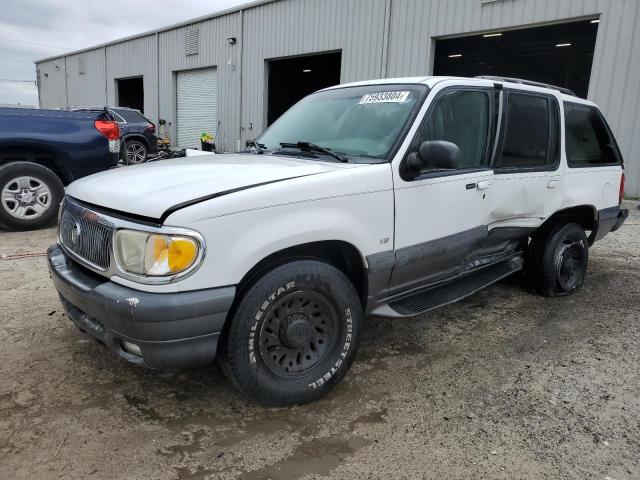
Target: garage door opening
[(131, 93), (559, 54), (291, 79)]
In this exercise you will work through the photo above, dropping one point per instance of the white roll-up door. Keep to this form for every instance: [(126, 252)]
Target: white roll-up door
[(197, 106)]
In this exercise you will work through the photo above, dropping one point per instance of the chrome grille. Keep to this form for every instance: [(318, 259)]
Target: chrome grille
[(89, 240)]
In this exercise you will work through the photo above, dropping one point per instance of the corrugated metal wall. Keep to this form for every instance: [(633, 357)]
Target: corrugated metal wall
[(134, 58), (52, 87), (213, 51), (615, 76), (281, 29), (88, 88), (377, 38)]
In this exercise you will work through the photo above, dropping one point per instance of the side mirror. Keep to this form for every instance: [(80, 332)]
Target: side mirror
[(434, 154)]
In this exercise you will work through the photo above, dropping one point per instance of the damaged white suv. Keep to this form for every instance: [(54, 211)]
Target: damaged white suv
[(389, 197)]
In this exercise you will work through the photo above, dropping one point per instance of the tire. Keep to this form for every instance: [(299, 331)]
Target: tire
[(134, 152), (556, 260), (43, 193), (293, 335)]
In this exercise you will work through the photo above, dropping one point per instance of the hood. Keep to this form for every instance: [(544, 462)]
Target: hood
[(153, 189)]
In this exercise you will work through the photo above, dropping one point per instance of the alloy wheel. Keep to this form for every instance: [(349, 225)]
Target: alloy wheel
[(136, 153), (26, 197)]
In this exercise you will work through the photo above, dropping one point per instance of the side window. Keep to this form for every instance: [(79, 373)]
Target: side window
[(131, 116), (118, 117), (588, 141), (460, 117), (530, 133)]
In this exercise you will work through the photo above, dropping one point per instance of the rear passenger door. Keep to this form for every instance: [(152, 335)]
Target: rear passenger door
[(527, 179)]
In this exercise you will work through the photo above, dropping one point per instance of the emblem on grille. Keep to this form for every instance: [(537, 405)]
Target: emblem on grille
[(75, 233)]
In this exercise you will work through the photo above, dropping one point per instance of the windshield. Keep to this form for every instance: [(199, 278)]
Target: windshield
[(353, 121)]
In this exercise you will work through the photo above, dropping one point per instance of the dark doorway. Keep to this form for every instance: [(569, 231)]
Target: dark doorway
[(559, 54), (291, 79), (131, 93)]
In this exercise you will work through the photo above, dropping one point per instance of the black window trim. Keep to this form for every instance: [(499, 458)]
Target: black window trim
[(489, 90), (553, 143), (616, 148)]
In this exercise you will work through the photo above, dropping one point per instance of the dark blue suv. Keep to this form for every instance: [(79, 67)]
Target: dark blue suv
[(137, 135)]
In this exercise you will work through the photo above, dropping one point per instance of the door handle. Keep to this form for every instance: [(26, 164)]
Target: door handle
[(552, 184), (483, 185), (470, 186)]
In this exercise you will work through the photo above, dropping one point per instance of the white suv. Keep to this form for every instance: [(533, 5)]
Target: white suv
[(387, 197)]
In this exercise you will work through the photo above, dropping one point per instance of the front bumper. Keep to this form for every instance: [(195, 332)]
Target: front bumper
[(171, 330)]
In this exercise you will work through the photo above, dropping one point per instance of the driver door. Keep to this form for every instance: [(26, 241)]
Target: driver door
[(441, 215)]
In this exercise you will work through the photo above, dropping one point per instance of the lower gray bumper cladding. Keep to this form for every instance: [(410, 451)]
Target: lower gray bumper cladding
[(167, 330)]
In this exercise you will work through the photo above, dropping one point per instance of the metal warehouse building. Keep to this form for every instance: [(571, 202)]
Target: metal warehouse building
[(234, 72)]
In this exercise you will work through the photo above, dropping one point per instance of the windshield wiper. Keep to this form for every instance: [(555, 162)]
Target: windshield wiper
[(312, 147), (260, 148)]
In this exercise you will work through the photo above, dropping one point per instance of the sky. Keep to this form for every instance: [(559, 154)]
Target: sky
[(34, 29)]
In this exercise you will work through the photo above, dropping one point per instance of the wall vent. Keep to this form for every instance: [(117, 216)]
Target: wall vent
[(81, 65), (191, 41)]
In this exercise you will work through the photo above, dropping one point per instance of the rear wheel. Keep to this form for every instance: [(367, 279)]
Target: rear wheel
[(134, 152), (294, 334), (556, 261), (29, 196)]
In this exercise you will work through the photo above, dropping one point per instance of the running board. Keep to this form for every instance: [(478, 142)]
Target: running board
[(450, 292)]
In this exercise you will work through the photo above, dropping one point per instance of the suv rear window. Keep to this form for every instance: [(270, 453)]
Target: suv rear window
[(530, 132), (588, 140)]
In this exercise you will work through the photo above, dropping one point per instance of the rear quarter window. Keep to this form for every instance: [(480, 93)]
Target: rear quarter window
[(588, 139), (131, 116)]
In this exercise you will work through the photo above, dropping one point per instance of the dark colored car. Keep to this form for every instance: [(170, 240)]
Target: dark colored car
[(41, 151), (138, 135)]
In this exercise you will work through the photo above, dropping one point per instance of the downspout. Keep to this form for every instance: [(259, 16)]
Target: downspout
[(66, 87), (106, 75), (384, 68), (241, 71), (157, 79)]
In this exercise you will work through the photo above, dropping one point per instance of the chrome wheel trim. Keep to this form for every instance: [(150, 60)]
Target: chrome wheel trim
[(26, 197), (136, 153)]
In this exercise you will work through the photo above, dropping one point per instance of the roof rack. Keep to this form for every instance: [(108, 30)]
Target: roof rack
[(527, 82)]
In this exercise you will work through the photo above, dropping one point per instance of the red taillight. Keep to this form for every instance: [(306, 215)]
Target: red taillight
[(621, 195), (108, 128), (151, 126)]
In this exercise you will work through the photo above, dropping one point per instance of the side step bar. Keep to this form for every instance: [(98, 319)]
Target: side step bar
[(450, 292)]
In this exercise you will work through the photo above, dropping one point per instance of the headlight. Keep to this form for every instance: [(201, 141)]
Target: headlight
[(153, 254)]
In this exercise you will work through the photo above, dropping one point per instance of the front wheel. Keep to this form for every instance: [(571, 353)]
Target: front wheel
[(294, 334), (29, 196), (556, 260)]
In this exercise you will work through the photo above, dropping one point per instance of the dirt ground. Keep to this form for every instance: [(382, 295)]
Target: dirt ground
[(502, 385)]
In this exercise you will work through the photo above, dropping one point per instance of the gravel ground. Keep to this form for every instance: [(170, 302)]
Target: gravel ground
[(502, 385)]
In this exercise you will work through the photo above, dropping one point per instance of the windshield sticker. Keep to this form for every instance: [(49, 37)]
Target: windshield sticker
[(384, 97)]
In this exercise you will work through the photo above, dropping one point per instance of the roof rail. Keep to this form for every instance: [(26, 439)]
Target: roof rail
[(527, 82)]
